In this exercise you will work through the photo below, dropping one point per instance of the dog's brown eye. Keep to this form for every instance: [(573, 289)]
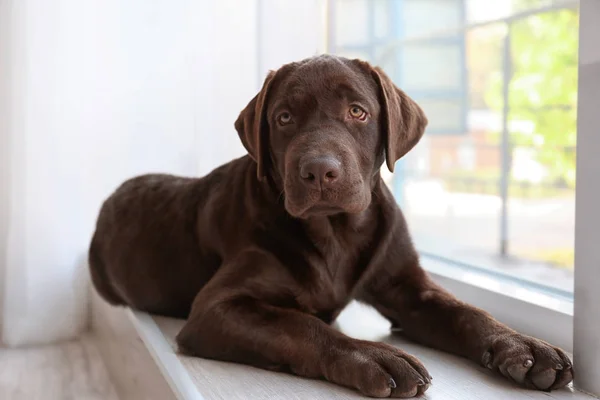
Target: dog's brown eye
[(358, 113), (284, 118)]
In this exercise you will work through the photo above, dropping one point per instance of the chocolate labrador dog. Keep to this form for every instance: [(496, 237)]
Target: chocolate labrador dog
[(262, 253)]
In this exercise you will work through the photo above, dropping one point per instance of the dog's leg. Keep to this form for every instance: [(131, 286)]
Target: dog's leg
[(231, 322), (402, 291)]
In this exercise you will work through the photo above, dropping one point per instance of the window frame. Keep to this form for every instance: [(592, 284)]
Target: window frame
[(586, 323), (526, 309)]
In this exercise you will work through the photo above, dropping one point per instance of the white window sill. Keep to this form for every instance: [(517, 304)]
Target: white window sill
[(547, 316), (196, 378), (525, 309)]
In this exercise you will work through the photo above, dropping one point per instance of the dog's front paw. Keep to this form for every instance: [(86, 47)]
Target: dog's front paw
[(377, 370), (529, 362)]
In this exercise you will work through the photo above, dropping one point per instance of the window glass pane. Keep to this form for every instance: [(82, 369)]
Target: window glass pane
[(543, 95), (443, 114), (450, 186), (481, 11), (431, 66), (421, 17)]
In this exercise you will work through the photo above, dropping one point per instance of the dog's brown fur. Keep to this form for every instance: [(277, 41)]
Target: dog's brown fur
[(263, 253)]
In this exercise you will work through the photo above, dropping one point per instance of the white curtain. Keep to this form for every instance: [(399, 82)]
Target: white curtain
[(95, 91)]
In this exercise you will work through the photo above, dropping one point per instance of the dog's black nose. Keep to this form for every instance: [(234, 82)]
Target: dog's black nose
[(320, 172)]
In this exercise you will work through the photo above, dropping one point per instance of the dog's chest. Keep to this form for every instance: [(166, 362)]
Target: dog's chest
[(335, 271)]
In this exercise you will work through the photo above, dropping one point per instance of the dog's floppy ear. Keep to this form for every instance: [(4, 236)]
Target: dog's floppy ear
[(252, 127), (403, 120)]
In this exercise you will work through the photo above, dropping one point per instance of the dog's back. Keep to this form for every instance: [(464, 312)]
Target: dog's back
[(146, 252)]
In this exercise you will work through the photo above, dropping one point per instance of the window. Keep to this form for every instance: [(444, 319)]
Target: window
[(491, 187)]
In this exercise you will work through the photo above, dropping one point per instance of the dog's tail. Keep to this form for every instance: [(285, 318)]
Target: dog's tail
[(99, 277)]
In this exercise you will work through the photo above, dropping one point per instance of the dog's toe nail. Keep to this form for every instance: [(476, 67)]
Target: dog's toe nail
[(558, 367), (392, 383), (420, 382), (528, 363), (490, 366), (486, 358)]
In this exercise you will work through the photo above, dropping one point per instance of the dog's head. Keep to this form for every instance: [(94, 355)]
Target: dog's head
[(321, 129)]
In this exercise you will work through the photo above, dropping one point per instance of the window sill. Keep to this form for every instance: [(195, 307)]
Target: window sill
[(196, 378), (523, 308)]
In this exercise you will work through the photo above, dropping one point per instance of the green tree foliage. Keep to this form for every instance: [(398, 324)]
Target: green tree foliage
[(543, 89)]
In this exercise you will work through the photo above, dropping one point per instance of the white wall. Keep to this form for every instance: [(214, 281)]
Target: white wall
[(102, 90), (4, 144), (289, 31)]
